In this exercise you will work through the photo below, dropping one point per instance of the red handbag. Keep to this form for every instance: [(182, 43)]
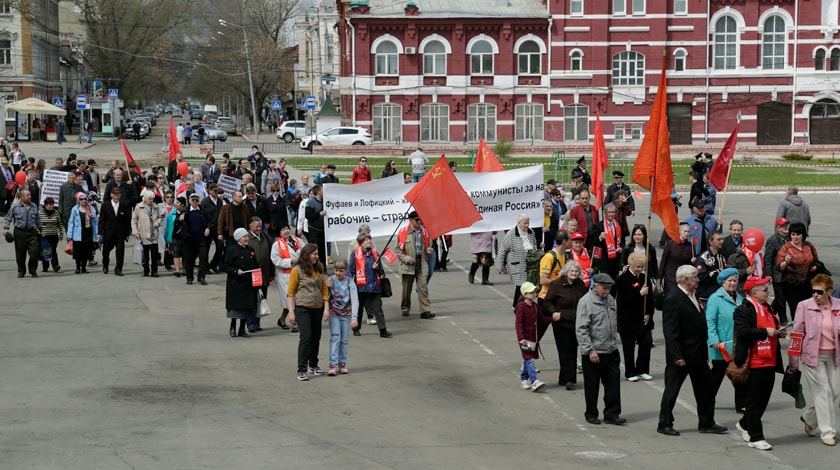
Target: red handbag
[(69, 248)]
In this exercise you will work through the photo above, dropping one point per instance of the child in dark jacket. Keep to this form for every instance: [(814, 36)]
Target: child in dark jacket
[(527, 315)]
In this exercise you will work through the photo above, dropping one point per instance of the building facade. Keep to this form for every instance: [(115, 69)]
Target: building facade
[(317, 67), (442, 71)]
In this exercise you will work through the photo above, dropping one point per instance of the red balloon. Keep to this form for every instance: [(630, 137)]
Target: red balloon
[(754, 239), (183, 169), (20, 177)]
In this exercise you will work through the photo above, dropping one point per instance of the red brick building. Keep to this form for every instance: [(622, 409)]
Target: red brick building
[(437, 71)]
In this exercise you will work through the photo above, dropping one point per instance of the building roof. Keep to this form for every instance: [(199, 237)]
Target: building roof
[(459, 8)]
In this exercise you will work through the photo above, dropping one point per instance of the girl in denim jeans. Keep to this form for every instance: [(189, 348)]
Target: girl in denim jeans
[(344, 314)]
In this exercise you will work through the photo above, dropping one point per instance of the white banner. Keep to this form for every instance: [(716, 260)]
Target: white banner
[(500, 197), (51, 187), (229, 184)]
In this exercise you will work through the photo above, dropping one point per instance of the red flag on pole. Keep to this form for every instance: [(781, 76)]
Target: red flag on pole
[(653, 164), (174, 146), (441, 201), (485, 159), (600, 162), (719, 174), (132, 165)]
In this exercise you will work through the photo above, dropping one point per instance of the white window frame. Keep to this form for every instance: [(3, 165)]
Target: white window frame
[(481, 121), (437, 59), (638, 7), (434, 122), (722, 40), (576, 123), (833, 59), (819, 62), (529, 121), (6, 52), (576, 56), (680, 60), (8, 99), (576, 7), (387, 122), (531, 58), (5, 7), (387, 62), (628, 69), (680, 7), (483, 56), (770, 41), (619, 7)]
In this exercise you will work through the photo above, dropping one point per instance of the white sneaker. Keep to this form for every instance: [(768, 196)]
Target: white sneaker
[(635, 378), (371, 321), (760, 445), (646, 377), (525, 384), (537, 386), (744, 434)]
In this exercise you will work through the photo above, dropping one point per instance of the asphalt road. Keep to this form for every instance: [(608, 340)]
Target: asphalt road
[(106, 372)]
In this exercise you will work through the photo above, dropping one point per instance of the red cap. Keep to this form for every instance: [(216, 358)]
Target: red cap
[(781, 221), (755, 281), (578, 236)]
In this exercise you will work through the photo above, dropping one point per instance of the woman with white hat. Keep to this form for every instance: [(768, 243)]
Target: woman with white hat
[(240, 294)]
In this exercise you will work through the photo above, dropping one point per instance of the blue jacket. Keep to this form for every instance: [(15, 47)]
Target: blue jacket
[(719, 321), (695, 229), (371, 275), (74, 225)]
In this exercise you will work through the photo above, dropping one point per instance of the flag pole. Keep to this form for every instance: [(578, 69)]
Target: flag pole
[(725, 190)]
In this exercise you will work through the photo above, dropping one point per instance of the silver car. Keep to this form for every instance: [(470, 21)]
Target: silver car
[(214, 133), (226, 124)]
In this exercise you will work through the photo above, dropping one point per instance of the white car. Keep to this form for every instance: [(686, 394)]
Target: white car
[(291, 130), (338, 136), (214, 133)]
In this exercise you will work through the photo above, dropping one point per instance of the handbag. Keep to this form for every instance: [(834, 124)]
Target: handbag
[(12, 188), (739, 375), (69, 248), (385, 285), (45, 249), (818, 268), (263, 310), (659, 299)]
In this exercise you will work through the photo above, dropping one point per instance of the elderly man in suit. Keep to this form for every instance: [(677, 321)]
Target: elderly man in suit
[(115, 227), (687, 355)]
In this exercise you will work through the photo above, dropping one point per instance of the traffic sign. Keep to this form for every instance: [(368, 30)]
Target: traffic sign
[(276, 105), (81, 102), (310, 102), (58, 102), (328, 78), (113, 93)]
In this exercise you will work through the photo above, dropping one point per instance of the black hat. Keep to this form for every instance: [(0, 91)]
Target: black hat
[(618, 174), (698, 156), (182, 200), (9, 237), (551, 181), (413, 215), (707, 155), (697, 203), (331, 166), (603, 279), (581, 159)]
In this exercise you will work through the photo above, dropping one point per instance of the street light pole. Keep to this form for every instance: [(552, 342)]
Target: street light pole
[(256, 122)]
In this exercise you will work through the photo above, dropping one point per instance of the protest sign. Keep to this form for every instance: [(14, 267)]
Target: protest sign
[(229, 184), (53, 179)]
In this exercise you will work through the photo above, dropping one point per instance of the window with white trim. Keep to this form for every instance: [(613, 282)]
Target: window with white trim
[(5, 52), (387, 122), (434, 122), (619, 7), (680, 7), (679, 60), (834, 63), (529, 121), (434, 59), (576, 7), (481, 58), (576, 60), (726, 43), (576, 123), (773, 43), (481, 122), (8, 99), (5, 7), (530, 58), (819, 59), (628, 69), (387, 59), (638, 7)]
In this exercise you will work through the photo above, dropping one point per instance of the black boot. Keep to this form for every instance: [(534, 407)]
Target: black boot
[(233, 328), (473, 270), (485, 276), (242, 332)]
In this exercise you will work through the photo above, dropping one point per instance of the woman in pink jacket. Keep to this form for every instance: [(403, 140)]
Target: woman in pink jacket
[(818, 318)]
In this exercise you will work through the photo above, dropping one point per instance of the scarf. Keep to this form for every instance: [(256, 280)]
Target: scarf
[(585, 263), (763, 353), (610, 237)]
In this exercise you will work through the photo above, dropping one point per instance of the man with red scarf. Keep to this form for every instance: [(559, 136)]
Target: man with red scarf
[(609, 242), (414, 249)]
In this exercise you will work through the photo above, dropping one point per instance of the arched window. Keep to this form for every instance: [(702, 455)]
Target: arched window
[(726, 44), (679, 60), (434, 122), (387, 59), (576, 60), (530, 58), (481, 121), (835, 59), (628, 68), (773, 43), (481, 58), (819, 59), (434, 59), (5, 51)]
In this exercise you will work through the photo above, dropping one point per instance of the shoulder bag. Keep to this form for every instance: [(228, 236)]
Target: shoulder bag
[(739, 375)]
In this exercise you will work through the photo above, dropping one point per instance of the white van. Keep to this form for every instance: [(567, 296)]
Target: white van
[(211, 109)]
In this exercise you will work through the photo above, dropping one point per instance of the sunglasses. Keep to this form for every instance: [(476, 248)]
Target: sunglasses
[(417, 219), (83, 199), (817, 291), (363, 161)]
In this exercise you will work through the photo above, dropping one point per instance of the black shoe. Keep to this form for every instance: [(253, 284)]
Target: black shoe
[(281, 324), (155, 275), (295, 329), (104, 269), (118, 273), (616, 420), (593, 420), (214, 270), (252, 330), (145, 274), (405, 314), (714, 429), (385, 334), (202, 282), (258, 328), (92, 263), (24, 274), (443, 268), (244, 334), (427, 315), (78, 271), (471, 279), (233, 332), (668, 431), (47, 269), (169, 268), (357, 333), (570, 385), (189, 282), (84, 271), (178, 274), (34, 274), (486, 283), (57, 269)]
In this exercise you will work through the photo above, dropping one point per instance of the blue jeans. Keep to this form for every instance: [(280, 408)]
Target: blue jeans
[(339, 338), (529, 372), (254, 322), (417, 176), (90, 137)]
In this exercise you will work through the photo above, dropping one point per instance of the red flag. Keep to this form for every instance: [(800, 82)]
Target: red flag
[(719, 174), (724, 352), (129, 161), (654, 161), (600, 162), (389, 255), (485, 159), (441, 201), (174, 146)]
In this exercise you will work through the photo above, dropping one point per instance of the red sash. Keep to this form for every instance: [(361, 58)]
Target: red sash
[(401, 237), (361, 279), (585, 263), (763, 353), (283, 248), (610, 238)]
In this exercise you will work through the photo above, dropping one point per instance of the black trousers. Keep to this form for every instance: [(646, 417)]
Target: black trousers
[(759, 388), (566, 343), (795, 293), (309, 325), (150, 254), (26, 243), (718, 373), (53, 239), (219, 254), (605, 372), (317, 237), (371, 302), (192, 249), (636, 364), (109, 244), (701, 379), (779, 302)]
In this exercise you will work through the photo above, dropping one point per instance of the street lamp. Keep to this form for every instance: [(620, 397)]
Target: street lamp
[(250, 79)]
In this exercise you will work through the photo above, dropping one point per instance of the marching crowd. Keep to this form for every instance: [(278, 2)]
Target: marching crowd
[(590, 277)]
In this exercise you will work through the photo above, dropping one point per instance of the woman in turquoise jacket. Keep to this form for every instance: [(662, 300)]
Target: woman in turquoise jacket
[(720, 324)]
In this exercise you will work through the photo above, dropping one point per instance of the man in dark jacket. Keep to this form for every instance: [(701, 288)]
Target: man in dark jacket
[(686, 353), (709, 264), (315, 217), (771, 249), (115, 227), (210, 207), (67, 197), (194, 240)]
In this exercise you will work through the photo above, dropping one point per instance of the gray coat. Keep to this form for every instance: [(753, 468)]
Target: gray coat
[(512, 255), (794, 209), (596, 326), (771, 249)]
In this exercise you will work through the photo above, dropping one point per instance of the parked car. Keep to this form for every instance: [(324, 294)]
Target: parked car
[(149, 117), (175, 111), (214, 133), (291, 130), (210, 118), (226, 124), (145, 128), (338, 136)]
